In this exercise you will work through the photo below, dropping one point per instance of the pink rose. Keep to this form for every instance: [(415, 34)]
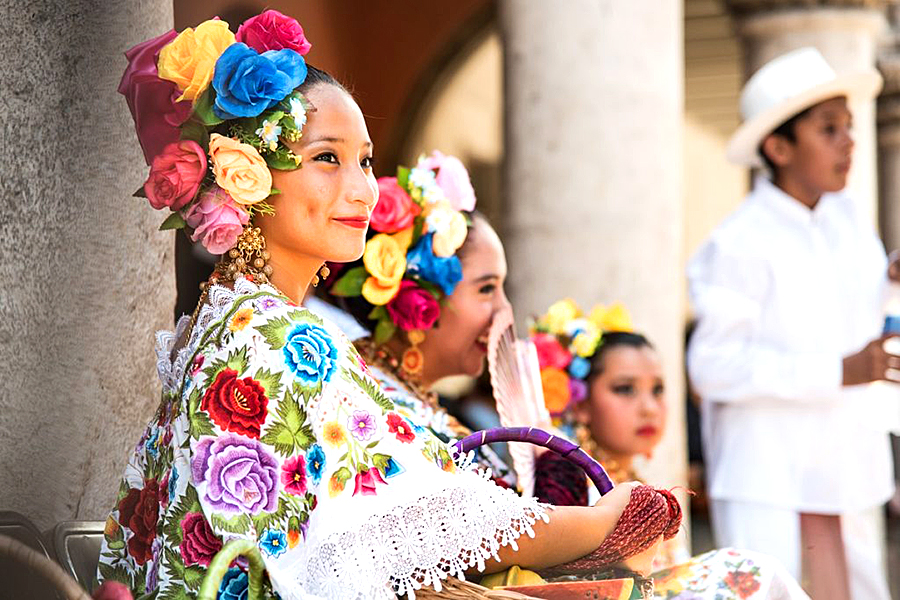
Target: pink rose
[(550, 352), (272, 30), (217, 219), (453, 179), (175, 175), (413, 308), (152, 100), (395, 210)]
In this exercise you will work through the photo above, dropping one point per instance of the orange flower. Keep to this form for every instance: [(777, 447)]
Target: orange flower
[(335, 486), (293, 538), (239, 170), (241, 319), (334, 434), (556, 389)]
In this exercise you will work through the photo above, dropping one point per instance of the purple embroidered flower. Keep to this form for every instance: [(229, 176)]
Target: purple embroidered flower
[(268, 303), (152, 581), (197, 364), (239, 473), (362, 425)]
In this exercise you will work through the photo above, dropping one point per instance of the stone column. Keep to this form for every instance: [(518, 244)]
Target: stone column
[(847, 33), (593, 171), (889, 150), (86, 277)]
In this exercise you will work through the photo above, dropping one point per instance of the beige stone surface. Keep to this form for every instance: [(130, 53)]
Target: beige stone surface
[(86, 277), (593, 176)]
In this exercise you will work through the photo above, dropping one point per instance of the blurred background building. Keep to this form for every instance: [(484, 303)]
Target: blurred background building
[(594, 132)]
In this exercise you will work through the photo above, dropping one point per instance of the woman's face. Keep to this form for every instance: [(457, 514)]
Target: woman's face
[(323, 210), (626, 407), (458, 344)]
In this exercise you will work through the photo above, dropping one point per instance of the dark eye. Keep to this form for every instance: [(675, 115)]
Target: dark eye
[(830, 129), (487, 288), (368, 162), (659, 390), (328, 157), (623, 389)]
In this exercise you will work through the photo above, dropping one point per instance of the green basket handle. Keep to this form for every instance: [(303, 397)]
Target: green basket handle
[(215, 573)]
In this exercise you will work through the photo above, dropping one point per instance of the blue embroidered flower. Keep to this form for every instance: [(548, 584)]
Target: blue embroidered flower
[(234, 585), (274, 542), (392, 469), (579, 367), (248, 83), (152, 443), (173, 484), (315, 463), (443, 272), (310, 354)]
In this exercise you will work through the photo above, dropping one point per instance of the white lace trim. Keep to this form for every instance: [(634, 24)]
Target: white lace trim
[(221, 299), (413, 545)]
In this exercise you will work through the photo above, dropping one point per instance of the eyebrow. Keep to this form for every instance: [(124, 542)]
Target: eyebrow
[(486, 277), (335, 140)]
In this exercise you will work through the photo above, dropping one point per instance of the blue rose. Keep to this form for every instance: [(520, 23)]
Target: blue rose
[(248, 83), (579, 367), (310, 354), (315, 463), (274, 542), (234, 585), (443, 272)]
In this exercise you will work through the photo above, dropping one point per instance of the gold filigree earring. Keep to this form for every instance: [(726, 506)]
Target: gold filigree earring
[(321, 275), (413, 360), (248, 258)]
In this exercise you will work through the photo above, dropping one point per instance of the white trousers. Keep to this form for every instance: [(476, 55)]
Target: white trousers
[(775, 531)]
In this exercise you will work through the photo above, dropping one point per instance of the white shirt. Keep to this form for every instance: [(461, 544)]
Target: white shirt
[(782, 293)]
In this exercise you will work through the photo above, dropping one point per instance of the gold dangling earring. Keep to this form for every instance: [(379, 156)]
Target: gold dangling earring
[(322, 274), (413, 360), (249, 258)]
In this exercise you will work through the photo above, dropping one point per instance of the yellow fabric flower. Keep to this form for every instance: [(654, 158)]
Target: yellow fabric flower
[(385, 260), (559, 314), (585, 343), (555, 383), (241, 319), (239, 170), (404, 237), (447, 241), (190, 59), (614, 318)]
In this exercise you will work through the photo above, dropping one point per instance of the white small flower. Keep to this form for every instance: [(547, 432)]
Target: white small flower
[(269, 133), (298, 113), (433, 194), (438, 220), (421, 178)]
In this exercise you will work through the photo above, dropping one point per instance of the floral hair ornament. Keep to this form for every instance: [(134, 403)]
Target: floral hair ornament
[(213, 110), (566, 339), (409, 265)]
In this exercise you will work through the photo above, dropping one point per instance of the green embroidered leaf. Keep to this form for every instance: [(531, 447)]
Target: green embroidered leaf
[(275, 330), (120, 574), (342, 475), (177, 593), (236, 524), (370, 388), (175, 563), (381, 461), (188, 503), (200, 425), (290, 430), (307, 392), (193, 576), (265, 520), (237, 361), (384, 330), (270, 381), (350, 283), (173, 221)]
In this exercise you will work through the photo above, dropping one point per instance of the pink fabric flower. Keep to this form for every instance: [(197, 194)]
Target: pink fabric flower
[(217, 220), (395, 210), (550, 352), (272, 30), (152, 100), (453, 179), (293, 475), (175, 175), (413, 307), (365, 482)]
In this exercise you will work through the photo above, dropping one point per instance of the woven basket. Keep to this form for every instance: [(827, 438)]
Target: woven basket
[(42, 566)]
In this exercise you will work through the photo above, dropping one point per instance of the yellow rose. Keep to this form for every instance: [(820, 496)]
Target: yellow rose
[(614, 318), (404, 237), (385, 260), (446, 242), (559, 314), (239, 170), (190, 59)]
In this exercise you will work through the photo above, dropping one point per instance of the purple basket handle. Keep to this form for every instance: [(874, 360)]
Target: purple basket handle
[(539, 437)]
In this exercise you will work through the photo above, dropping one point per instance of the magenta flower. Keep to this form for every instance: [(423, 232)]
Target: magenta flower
[(362, 425), (293, 475), (272, 30), (365, 482)]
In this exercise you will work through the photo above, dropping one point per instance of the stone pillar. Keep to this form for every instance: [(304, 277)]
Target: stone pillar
[(847, 33), (86, 277), (593, 171), (889, 150)]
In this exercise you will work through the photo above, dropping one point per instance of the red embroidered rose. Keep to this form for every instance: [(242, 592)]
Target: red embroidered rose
[(743, 582), (138, 511), (395, 209), (238, 405), (400, 427), (199, 544)]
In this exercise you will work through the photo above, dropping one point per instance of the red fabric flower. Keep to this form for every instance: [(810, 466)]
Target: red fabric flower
[(550, 352), (400, 427), (272, 30), (293, 475), (395, 210), (176, 175), (365, 482), (200, 544), (742, 582), (138, 511), (238, 405), (413, 307)]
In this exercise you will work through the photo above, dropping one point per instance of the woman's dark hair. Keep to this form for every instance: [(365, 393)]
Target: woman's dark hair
[(613, 340), (788, 131), (316, 76)]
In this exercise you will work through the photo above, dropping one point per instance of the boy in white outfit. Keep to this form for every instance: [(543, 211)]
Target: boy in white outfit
[(788, 294)]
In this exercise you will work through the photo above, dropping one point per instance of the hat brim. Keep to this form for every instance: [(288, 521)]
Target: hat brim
[(744, 143)]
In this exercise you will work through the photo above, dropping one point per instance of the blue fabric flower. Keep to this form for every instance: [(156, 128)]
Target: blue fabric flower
[(234, 585), (274, 542), (248, 83), (579, 367), (310, 354), (443, 272), (315, 463)]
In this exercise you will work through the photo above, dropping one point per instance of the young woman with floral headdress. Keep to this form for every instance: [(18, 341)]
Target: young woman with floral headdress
[(604, 386), (270, 427)]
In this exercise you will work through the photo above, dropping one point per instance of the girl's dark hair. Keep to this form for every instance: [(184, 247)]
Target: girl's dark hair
[(613, 340), (316, 76), (787, 130)]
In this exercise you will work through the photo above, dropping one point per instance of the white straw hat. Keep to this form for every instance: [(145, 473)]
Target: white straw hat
[(786, 86)]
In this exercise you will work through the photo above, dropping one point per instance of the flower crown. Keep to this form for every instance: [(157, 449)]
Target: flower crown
[(565, 340), (409, 264), (213, 110)]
